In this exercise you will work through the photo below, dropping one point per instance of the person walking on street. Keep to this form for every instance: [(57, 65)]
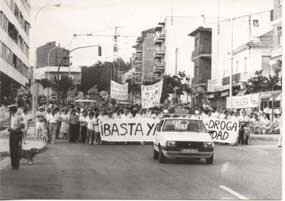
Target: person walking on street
[(15, 129)]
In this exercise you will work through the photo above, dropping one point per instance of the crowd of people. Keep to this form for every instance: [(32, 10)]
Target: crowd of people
[(81, 124)]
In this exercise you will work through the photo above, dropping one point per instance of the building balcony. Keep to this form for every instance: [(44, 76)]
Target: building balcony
[(201, 51), (276, 52), (138, 61), (139, 50), (160, 52), (197, 82), (238, 77)]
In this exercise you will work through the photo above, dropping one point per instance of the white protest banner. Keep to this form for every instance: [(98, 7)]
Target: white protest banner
[(246, 101), (128, 130), (151, 95), (119, 91), (224, 131)]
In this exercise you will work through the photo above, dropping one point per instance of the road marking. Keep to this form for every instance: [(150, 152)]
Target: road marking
[(239, 196), (4, 163)]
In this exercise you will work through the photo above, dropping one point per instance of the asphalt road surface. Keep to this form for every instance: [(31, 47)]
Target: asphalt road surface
[(76, 171)]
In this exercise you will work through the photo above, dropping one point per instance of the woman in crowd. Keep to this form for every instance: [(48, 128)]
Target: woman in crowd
[(90, 127), (64, 129)]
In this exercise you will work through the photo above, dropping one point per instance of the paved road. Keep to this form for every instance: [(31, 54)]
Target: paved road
[(74, 171)]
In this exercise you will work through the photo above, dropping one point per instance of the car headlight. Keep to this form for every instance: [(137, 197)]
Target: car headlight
[(170, 143), (208, 144)]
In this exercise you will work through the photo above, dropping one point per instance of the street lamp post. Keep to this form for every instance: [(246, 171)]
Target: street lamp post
[(34, 97), (46, 6)]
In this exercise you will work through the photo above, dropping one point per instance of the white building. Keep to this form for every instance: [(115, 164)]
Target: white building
[(14, 45), (50, 73), (174, 46), (247, 38), (253, 56), (276, 53), (229, 35)]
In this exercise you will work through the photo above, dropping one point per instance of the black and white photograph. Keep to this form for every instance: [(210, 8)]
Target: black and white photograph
[(141, 100)]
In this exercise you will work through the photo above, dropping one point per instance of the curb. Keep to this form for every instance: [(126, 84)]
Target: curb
[(7, 153), (265, 137)]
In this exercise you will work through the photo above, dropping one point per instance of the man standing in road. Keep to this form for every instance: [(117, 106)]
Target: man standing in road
[(16, 126)]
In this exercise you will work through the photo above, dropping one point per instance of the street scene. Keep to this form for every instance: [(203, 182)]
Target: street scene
[(141, 100)]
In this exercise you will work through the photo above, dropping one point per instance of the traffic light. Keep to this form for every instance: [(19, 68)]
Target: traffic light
[(99, 51)]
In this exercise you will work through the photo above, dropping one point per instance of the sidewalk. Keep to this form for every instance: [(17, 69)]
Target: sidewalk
[(31, 143)]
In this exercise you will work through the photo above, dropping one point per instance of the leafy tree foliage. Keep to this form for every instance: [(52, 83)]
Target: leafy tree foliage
[(100, 74), (261, 83), (175, 84), (45, 83)]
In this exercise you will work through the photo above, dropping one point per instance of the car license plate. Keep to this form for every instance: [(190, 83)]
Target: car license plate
[(189, 150)]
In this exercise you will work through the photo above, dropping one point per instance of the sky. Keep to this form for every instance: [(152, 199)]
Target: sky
[(132, 16)]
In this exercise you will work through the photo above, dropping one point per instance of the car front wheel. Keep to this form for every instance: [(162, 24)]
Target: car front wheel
[(161, 157), (210, 160)]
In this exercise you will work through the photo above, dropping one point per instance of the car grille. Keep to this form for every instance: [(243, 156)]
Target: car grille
[(187, 145)]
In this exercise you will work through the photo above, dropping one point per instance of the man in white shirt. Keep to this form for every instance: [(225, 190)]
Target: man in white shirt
[(53, 118)]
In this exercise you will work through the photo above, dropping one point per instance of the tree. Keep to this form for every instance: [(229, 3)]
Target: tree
[(63, 85), (176, 84), (274, 82), (258, 83), (45, 83), (261, 83)]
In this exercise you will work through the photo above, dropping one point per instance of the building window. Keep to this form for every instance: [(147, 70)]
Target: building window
[(279, 35), (237, 66), (245, 64)]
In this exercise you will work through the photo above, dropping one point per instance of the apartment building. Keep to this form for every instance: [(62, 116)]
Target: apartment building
[(173, 45), (51, 54), (276, 53), (14, 46), (201, 56), (48, 57), (143, 59), (248, 37)]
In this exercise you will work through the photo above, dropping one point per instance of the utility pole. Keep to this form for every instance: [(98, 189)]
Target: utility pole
[(115, 52), (232, 61)]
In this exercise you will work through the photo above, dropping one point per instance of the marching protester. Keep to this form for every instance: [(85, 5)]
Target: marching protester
[(73, 124), (83, 126), (90, 126), (53, 119), (64, 128), (96, 130)]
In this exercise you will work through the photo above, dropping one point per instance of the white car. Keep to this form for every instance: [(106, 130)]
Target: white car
[(182, 138)]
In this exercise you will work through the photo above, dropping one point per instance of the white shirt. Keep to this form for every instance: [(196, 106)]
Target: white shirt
[(53, 118), (96, 124), (90, 123)]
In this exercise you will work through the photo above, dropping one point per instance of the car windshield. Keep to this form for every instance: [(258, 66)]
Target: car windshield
[(184, 125)]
